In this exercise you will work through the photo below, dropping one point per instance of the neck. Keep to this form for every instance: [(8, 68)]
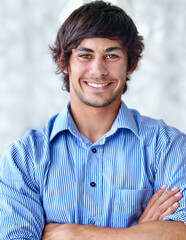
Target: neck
[(94, 122)]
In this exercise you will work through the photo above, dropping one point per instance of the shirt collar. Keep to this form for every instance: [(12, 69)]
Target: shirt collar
[(64, 121), (125, 119), (61, 123)]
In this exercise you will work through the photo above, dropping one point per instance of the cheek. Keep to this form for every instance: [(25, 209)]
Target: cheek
[(79, 70), (119, 72), (119, 67)]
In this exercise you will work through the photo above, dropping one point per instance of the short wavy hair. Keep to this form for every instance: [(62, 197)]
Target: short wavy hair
[(97, 19)]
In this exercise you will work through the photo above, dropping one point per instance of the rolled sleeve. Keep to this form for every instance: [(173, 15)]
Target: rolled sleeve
[(172, 168), (21, 212)]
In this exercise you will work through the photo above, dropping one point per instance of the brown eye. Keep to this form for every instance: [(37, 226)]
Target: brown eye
[(112, 56), (85, 56)]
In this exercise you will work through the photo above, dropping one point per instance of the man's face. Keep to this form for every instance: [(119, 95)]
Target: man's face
[(97, 72)]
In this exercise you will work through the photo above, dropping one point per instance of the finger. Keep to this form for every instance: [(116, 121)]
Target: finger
[(170, 210), (166, 205), (164, 197), (161, 204), (167, 195), (154, 198)]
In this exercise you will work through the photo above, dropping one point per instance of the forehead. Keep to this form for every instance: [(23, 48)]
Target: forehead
[(99, 44)]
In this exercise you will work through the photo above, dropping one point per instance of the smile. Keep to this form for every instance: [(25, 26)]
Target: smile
[(97, 85)]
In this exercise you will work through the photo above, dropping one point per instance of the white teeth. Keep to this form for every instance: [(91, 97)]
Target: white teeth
[(97, 85)]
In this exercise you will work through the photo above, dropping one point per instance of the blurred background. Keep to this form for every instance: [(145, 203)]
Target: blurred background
[(30, 91)]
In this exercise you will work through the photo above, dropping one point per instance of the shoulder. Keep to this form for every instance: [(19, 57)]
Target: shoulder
[(151, 129), (32, 144), (28, 157), (34, 138)]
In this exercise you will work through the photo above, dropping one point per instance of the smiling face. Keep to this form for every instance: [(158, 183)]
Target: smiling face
[(97, 72)]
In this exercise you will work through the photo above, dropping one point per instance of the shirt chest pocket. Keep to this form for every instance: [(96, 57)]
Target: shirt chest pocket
[(128, 206)]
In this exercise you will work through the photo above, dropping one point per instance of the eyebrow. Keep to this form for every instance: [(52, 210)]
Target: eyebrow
[(110, 49), (113, 49), (84, 49)]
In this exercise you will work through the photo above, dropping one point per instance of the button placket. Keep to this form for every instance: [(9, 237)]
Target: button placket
[(93, 187)]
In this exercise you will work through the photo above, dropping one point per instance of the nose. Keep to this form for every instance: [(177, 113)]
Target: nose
[(98, 68)]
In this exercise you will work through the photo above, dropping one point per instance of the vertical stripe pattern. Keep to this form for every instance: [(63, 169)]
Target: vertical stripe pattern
[(57, 175)]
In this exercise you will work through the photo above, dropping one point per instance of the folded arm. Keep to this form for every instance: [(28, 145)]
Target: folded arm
[(149, 225), (151, 230)]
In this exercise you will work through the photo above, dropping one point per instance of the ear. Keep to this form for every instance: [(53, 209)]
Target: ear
[(59, 59), (133, 69)]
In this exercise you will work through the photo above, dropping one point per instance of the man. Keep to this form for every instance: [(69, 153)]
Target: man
[(97, 170)]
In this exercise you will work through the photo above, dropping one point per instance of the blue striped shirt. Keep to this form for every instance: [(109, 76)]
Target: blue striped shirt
[(57, 175)]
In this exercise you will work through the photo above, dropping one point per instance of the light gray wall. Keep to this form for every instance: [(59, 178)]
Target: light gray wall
[(30, 92)]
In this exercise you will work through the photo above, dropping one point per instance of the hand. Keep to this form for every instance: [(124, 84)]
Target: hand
[(161, 204)]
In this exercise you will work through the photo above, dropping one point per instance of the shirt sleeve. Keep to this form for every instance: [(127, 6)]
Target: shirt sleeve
[(21, 211), (171, 167)]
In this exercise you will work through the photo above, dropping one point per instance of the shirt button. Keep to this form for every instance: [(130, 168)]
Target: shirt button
[(92, 222), (94, 150), (92, 184)]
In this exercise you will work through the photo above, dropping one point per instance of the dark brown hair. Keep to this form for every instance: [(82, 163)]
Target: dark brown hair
[(97, 19)]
